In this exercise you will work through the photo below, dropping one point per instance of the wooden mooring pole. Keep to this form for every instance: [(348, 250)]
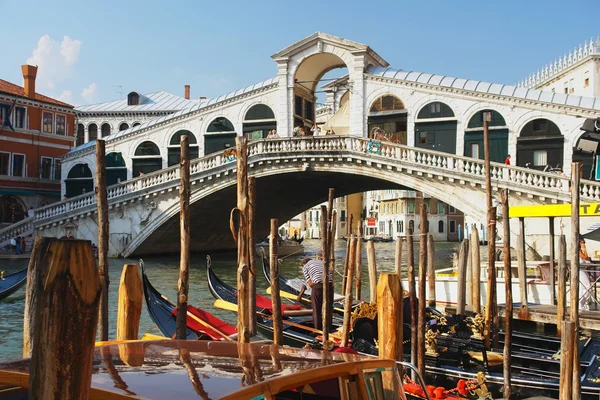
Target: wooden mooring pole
[(243, 270), (421, 295), (183, 284), (509, 301), (551, 278), (389, 316), (561, 306), (331, 242), (372, 271), (103, 234), (490, 307), (397, 258), (347, 258), (463, 254), (275, 295), (325, 277), (476, 270), (66, 316), (252, 254), (574, 256), (327, 287), (431, 269), (567, 345), (348, 301), (522, 270), (358, 264), (129, 307), (412, 290)]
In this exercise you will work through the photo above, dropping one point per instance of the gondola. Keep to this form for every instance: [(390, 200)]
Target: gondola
[(11, 283), (292, 335), (163, 314)]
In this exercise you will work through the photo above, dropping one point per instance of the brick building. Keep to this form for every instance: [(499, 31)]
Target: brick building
[(35, 132)]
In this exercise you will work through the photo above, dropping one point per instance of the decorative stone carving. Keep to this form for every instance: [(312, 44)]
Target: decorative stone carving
[(147, 210)]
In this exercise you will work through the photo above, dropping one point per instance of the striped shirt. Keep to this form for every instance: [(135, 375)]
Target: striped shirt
[(313, 270)]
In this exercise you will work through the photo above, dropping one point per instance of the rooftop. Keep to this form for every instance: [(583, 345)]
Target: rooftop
[(156, 101), (16, 90)]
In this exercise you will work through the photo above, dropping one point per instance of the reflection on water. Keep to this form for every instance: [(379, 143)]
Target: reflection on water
[(163, 272)]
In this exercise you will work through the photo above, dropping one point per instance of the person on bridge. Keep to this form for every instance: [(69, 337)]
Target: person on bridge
[(507, 160), (313, 273), (585, 283)]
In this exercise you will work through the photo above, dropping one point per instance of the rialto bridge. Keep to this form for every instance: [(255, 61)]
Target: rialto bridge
[(437, 121)]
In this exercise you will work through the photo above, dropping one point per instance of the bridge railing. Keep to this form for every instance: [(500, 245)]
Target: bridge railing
[(20, 228), (418, 157)]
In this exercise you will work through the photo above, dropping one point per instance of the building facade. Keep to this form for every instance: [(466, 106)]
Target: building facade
[(36, 131)]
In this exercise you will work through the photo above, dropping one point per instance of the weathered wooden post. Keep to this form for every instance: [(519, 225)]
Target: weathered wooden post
[(66, 315), (358, 265), (574, 256), (347, 257), (397, 257), (490, 309), (183, 284), (551, 279), (103, 234), (372, 271), (509, 300), (431, 269), (348, 300), (561, 305), (242, 239), (327, 288), (522, 270), (463, 253), (389, 316), (476, 269), (567, 344), (469, 277), (422, 285), (275, 295), (325, 253), (331, 241), (252, 254), (412, 290), (129, 308)]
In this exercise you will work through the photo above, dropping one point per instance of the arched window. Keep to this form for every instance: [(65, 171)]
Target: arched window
[(12, 209), (387, 119), (174, 148), (92, 132), (133, 99), (79, 180), (146, 159), (440, 134), (498, 134), (116, 170), (411, 226), (123, 126), (540, 145), (258, 121), (440, 226), (219, 136), (135, 124), (80, 135), (105, 131)]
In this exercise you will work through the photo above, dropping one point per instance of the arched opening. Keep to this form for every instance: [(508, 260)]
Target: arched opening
[(584, 152), (387, 119), (146, 159), (219, 136), (440, 226), (174, 148), (116, 170), (105, 130), (12, 209), (258, 121), (133, 99), (540, 145), (309, 78), (80, 135), (123, 126), (79, 180), (135, 124), (435, 128), (498, 136), (92, 132)]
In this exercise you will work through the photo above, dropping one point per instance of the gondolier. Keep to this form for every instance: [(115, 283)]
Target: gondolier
[(313, 273)]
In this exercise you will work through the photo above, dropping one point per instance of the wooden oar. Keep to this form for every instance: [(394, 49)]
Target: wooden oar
[(225, 305), (206, 325), (288, 295), (286, 313)]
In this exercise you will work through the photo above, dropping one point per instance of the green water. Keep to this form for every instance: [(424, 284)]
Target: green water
[(163, 272)]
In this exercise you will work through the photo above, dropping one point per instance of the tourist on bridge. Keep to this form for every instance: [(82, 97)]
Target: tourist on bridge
[(313, 273), (507, 160)]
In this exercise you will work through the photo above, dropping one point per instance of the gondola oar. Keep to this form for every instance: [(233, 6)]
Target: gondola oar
[(286, 313), (288, 295), (208, 326)]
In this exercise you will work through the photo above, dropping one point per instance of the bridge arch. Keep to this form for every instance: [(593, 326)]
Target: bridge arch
[(174, 147), (584, 157), (258, 119), (79, 180), (498, 134), (92, 131), (12, 209), (146, 158), (540, 143), (220, 134), (123, 126)]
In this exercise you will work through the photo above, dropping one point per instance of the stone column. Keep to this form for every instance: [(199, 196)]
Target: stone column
[(86, 134), (284, 95), (357, 97)]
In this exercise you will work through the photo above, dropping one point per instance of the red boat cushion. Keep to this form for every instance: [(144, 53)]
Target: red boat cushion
[(211, 320), (263, 302)]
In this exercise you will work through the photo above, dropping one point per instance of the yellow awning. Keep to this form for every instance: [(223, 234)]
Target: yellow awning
[(553, 210)]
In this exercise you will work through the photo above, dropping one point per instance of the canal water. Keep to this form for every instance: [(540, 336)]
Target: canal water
[(163, 272)]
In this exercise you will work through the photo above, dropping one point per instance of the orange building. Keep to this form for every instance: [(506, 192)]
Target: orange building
[(35, 132)]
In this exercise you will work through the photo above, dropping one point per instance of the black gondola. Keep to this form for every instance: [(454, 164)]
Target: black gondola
[(292, 336), (11, 283)]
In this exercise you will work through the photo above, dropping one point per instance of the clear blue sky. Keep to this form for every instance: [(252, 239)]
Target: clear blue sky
[(220, 46)]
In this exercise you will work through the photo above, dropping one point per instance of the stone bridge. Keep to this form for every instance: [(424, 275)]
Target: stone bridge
[(292, 175)]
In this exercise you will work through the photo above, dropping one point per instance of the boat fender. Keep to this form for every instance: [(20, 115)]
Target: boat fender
[(414, 388)]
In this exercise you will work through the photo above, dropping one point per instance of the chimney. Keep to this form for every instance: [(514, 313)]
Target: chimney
[(187, 92), (29, 74)]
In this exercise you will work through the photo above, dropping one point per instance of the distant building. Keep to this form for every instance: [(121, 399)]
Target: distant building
[(42, 132)]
